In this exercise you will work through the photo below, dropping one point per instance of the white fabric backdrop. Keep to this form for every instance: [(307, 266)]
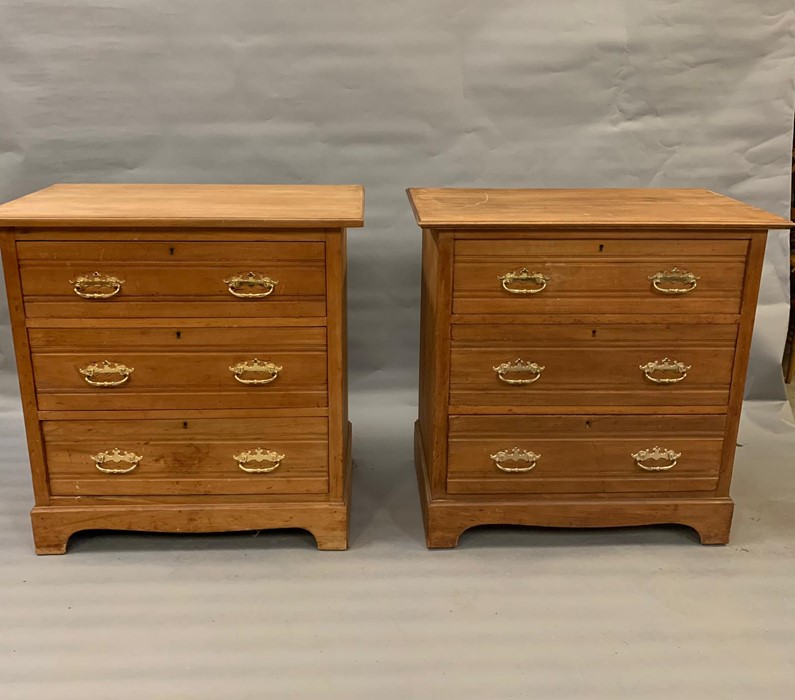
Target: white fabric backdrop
[(412, 93), (689, 93)]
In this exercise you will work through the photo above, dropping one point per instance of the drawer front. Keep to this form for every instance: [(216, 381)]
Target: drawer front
[(583, 454), (176, 368), (143, 279), (579, 365), (191, 457), (577, 276)]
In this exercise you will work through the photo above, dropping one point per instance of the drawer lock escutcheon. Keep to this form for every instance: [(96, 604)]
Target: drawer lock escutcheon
[(95, 285), (656, 454), (116, 457), (684, 281), (519, 367), (665, 365), (513, 456), (104, 369), (246, 285), (255, 366), (523, 277), (258, 456)]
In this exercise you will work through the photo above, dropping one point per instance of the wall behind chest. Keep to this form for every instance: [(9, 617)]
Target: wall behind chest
[(412, 93)]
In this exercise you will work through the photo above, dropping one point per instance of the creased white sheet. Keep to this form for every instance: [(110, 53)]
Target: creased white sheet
[(396, 94)]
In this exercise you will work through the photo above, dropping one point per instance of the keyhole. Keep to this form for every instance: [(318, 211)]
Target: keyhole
[(587, 424), (178, 334), (601, 247), (593, 333), (185, 425), (171, 251)]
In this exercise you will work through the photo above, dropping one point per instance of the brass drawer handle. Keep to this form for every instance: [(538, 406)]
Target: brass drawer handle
[(250, 281), (96, 280), (665, 365), (104, 368), (116, 456), (674, 276), (259, 455), (256, 366), (519, 367), (515, 455), (524, 276), (656, 454)]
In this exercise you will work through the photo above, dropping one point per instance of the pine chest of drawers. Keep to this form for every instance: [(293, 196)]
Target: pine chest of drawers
[(181, 356), (583, 356)]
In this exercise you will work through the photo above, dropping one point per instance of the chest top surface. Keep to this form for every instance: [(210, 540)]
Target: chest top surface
[(252, 206), (586, 208)]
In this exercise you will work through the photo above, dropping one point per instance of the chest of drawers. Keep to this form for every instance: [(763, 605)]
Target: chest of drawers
[(583, 356), (181, 356)]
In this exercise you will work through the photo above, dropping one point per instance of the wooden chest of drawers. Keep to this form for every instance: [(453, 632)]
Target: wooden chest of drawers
[(181, 356), (583, 356)]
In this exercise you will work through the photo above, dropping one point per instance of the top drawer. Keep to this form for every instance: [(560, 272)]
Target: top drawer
[(99, 279), (593, 276)]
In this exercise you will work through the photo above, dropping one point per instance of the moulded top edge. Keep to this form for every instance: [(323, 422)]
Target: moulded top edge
[(234, 206), (481, 208)]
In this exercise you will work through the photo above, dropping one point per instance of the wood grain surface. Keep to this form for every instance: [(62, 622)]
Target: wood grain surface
[(262, 206), (587, 208), (191, 457), (597, 319), (604, 285), (447, 518), (591, 365), (584, 454), (179, 368), (177, 324), (188, 290), (328, 522)]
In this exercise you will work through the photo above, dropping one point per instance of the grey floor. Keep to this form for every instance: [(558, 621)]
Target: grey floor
[(512, 613)]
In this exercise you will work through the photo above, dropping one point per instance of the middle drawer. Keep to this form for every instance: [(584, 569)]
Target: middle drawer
[(179, 368), (590, 365)]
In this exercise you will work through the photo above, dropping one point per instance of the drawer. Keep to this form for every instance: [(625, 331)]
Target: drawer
[(179, 368), (192, 457), (598, 276), (591, 365), (182, 279), (583, 454)]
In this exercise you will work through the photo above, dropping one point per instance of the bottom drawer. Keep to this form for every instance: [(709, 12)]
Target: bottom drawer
[(584, 454), (187, 457)]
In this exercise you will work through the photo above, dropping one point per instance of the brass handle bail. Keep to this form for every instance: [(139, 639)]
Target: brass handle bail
[(665, 365), (656, 454), (674, 276), (244, 285), (104, 369), (515, 455), (83, 285), (258, 456), (255, 366), (116, 456), (519, 366), (524, 277)]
